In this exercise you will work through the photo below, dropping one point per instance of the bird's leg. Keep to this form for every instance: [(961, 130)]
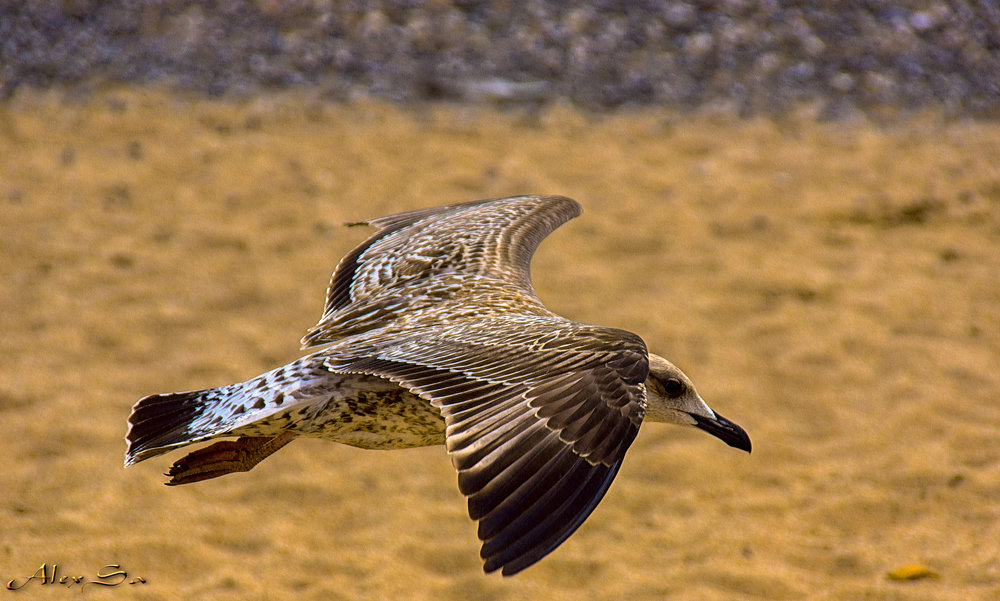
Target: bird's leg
[(225, 457)]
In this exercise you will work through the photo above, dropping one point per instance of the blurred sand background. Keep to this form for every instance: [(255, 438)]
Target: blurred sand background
[(832, 287)]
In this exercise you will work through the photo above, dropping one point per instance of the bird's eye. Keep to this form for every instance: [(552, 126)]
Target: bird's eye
[(673, 387)]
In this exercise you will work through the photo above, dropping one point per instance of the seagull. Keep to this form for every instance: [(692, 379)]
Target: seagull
[(432, 334)]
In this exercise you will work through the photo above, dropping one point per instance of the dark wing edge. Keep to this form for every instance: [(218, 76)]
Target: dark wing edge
[(533, 459), (549, 213)]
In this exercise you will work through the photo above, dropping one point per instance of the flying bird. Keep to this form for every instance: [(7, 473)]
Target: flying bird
[(432, 334)]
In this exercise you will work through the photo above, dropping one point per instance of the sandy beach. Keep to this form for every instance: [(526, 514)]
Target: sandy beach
[(832, 287)]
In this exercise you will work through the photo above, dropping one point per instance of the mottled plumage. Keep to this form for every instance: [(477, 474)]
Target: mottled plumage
[(432, 334)]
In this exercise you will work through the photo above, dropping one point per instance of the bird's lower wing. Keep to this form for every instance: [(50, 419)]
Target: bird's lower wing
[(537, 422)]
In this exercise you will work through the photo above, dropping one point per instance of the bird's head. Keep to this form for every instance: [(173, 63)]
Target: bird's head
[(671, 398)]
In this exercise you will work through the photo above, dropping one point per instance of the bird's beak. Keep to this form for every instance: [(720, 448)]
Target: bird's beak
[(724, 430)]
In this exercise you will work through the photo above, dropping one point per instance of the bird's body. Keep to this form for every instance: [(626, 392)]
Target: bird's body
[(432, 334)]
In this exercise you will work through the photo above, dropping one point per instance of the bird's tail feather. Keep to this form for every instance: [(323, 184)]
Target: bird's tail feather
[(161, 422)]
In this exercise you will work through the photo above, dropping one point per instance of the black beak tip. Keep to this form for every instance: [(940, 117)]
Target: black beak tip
[(725, 430)]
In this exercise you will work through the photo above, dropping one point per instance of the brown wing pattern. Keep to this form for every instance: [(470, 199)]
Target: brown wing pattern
[(421, 258), (539, 413)]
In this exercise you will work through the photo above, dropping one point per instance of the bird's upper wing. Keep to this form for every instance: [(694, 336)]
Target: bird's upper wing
[(424, 258), (539, 413)]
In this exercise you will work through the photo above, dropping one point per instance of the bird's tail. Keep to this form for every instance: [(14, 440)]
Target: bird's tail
[(162, 422)]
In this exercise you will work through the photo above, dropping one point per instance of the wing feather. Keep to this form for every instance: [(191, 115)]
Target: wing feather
[(421, 258), (536, 425)]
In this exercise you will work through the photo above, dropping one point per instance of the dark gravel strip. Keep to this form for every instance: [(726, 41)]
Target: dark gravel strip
[(756, 57)]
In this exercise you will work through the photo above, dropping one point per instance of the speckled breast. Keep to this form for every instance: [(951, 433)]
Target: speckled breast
[(392, 418)]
